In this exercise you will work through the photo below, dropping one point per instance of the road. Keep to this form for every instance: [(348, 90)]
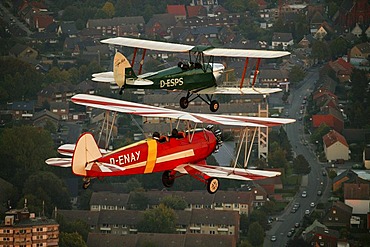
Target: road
[(15, 27), (312, 182)]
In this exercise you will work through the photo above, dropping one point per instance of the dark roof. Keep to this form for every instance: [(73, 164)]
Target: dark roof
[(116, 21), (17, 49), (109, 199), (90, 217), (358, 191), (68, 28), (43, 113), (123, 217), (282, 37), (23, 106), (273, 73), (217, 217), (159, 239)]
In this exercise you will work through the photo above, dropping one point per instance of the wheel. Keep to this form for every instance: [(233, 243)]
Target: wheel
[(167, 179), (86, 185), (212, 185), (184, 102), (214, 105)]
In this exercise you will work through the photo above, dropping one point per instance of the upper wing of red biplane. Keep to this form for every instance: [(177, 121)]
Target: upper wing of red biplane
[(153, 111)]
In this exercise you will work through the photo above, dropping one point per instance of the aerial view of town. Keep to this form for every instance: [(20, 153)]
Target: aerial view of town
[(148, 123)]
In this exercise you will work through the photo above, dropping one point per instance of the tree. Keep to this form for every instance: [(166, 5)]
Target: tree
[(320, 51), (138, 201), (23, 151), (47, 189), (71, 240), (174, 202), (318, 133), (256, 234), (296, 74), (108, 9), (301, 165), (158, 220)]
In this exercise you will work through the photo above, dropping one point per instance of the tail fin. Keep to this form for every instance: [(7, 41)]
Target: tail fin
[(122, 69), (86, 151)]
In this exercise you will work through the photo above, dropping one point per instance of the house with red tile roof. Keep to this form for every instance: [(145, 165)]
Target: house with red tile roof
[(179, 11), (330, 116), (196, 11), (335, 146), (342, 69)]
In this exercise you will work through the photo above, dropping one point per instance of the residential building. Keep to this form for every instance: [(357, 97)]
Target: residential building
[(108, 201), (282, 40), (118, 26), (335, 146), (22, 228), (125, 222), (22, 109), (351, 12), (318, 234), (61, 109), (179, 11), (342, 69), (357, 195), (274, 78), (23, 52), (330, 116), (242, 202), (347, 176), (338, 216), (160, 239), (41, 118)]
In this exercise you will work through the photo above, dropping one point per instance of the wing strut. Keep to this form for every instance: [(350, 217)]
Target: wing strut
[(133, 58), (142, 61), (247, 150), (244, 71), (256, 71)]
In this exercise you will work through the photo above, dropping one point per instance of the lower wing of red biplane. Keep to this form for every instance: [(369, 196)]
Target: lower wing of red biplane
[(183, 155)]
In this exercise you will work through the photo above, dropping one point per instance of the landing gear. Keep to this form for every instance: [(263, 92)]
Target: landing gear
[(214, 105), (168, 179), (212, 185), (121, 91), (86, 183), (184, 102)]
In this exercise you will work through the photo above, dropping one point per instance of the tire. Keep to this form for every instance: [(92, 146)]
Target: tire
[(212, 185), (167, 179), (85, 185), (214, 106), (184, 102)]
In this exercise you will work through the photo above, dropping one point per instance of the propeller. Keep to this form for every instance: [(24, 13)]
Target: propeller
[(218, 134)]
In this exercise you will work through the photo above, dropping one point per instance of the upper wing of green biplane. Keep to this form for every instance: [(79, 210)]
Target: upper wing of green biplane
[(173, 47)]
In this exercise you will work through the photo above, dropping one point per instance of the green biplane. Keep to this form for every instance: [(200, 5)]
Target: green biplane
[(198, 77)]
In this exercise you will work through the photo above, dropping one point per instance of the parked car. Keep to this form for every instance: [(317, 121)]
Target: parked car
[(304, 194)]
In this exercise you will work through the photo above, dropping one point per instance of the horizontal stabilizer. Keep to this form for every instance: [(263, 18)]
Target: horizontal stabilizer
[(108, 77), (67, 149), (59, 162)]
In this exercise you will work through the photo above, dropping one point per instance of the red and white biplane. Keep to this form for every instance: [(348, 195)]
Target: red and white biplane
[(175, 156)]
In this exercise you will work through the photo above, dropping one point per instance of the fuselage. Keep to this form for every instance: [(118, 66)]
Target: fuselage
[(176, 78), (150, 155)]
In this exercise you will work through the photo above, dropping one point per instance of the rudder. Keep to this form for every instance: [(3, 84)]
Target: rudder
[(121, 69), (86, 151)]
